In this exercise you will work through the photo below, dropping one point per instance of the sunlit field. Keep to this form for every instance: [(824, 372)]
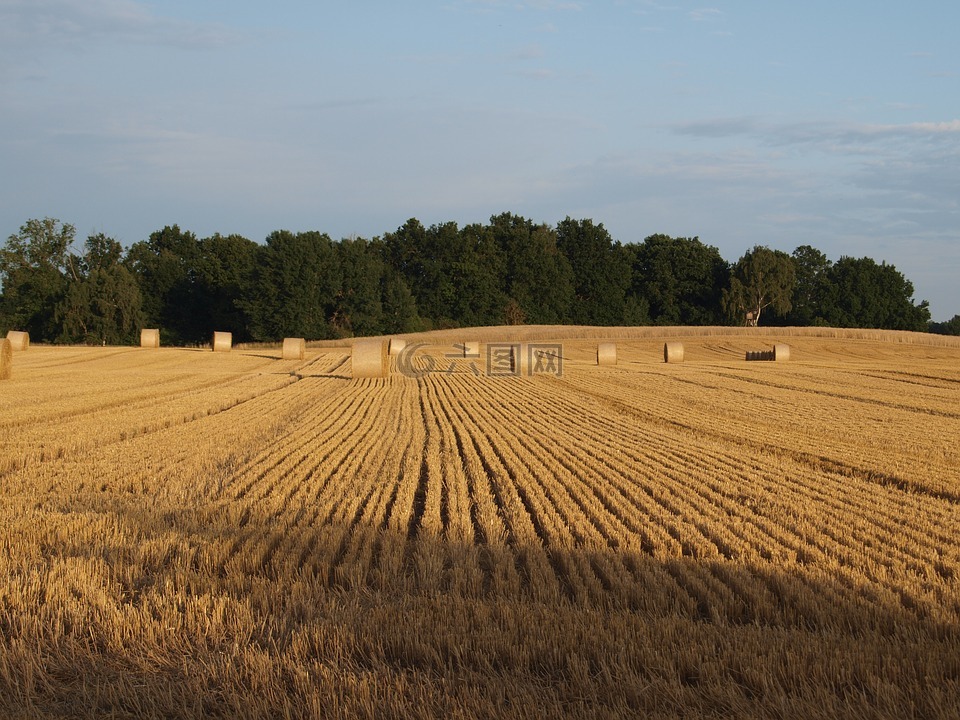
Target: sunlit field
[(194, 534)]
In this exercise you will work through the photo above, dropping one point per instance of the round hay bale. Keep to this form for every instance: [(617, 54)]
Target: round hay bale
[(6, 359), (471, 349), (781, 352), (294, 348), (19, 340), (607, 354), (222, 342), (673, 352), (397, 346), (370, 359), (150, 338)]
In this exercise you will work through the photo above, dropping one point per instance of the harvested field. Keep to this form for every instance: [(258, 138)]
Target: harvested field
[(186, 534)]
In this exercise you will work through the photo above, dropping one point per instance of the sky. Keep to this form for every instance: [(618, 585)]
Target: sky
[(832, 124)]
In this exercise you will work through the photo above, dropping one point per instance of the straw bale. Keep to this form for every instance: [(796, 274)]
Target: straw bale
[(150, 338), (370, 359), (471, 349), (397, 346), (673, 352), (607, 353), (19, 340), (781, 352), (294, 348), (222, 342)]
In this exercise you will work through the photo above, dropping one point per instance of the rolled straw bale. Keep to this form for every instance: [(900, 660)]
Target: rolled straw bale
[(149, 338), (294, 348), (19, 340), (781, 352), (673, 352), (6, 359), (222, 342), (471, 349), (607, 354), (397, 346), (370, 359)]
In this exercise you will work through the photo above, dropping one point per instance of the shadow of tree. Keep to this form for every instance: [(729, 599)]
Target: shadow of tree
[(222, 610)]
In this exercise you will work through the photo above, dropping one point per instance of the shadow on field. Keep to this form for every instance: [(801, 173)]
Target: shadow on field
[(227, 610)]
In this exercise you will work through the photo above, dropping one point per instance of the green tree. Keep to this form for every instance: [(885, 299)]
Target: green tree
[(950, 327), (295, 287), (601, 275), (165, 267), (102, 303), (866, 294), (812, 287), (33, 276), (538, 279), (222, 279), (359, 302), (761, 279), (681, 279)]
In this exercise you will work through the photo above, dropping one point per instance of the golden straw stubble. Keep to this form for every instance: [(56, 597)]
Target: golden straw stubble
[(6, 359), (294, 348), (19, 339), (222, 342), (370, 359)]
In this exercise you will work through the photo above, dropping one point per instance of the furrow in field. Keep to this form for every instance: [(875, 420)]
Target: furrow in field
[(526, 533)]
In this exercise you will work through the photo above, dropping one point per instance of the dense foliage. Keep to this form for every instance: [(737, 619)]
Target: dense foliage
[(510, 271)]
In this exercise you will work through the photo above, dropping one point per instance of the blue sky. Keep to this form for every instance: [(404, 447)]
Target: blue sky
[(833, 124)]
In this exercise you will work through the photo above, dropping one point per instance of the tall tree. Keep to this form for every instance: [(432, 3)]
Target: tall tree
[(295, 287), (761, 279), (600, 274), (165, 267), (812, 287), (867, 294), (359, 300), (102, 302), (538, 278), (223, 278), (681, 279), (33, 276)]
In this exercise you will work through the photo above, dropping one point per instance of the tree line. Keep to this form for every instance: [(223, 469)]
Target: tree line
[(508, 271)]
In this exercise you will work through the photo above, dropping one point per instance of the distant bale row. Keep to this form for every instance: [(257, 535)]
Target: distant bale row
[(6, 359), (19, 340)]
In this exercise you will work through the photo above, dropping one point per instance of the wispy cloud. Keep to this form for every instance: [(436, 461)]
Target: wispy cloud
[(78, 23), (704, 14)]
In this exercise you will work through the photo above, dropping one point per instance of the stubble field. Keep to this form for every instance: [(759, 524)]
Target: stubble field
[(191, 534)]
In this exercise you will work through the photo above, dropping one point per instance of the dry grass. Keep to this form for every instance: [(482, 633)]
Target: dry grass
[(184, 535), (6, 359)]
